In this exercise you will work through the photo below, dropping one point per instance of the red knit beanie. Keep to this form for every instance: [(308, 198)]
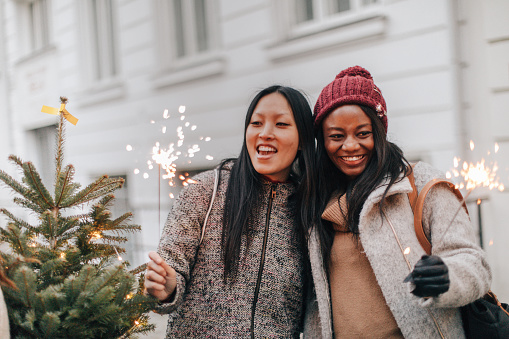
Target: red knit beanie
[(352, 86)]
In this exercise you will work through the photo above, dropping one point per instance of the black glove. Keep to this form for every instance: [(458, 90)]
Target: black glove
[(430, 277)]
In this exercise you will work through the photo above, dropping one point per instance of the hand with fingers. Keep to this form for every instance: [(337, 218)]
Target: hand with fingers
[(430, 277), (160, 278)]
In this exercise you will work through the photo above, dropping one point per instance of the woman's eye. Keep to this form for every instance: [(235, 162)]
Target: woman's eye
[(255, 123), (282, 124), (365, 133), (336, 136)]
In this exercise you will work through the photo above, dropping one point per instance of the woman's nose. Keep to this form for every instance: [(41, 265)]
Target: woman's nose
[(350, 144), (267, 132)]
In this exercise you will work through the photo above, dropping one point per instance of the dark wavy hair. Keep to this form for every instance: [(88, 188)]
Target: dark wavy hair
[(245, 183), (387, 161)]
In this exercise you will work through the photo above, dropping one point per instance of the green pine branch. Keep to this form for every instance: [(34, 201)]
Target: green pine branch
[(97, 189), (17, 221), (41, 195), (64, 185)]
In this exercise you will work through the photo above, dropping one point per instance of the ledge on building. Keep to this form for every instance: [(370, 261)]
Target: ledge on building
[(102, 92), (190, 71), (333, 34), (50, 48)]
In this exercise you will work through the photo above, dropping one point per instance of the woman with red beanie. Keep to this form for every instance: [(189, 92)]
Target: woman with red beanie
[(366, 285)]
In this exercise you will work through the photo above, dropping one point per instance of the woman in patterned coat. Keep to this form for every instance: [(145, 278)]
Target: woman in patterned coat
[(247, 278)]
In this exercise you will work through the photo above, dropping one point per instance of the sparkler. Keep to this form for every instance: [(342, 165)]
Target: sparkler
[(165, 158), (476, 175)]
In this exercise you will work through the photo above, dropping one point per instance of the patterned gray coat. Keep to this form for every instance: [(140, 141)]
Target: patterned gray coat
[(204, 306), (469, 272)]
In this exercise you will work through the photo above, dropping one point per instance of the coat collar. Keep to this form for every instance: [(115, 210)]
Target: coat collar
[(402, 185)]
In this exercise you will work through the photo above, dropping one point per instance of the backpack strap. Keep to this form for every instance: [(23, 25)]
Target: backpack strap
[(418, 205)]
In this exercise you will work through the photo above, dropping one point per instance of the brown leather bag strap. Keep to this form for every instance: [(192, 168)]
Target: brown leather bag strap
[(412, 196), (418, 205)]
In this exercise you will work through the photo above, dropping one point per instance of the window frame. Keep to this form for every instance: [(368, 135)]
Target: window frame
[(32, 14), (102, 64), (108, 85), (316, 35), (43, 140), (324, 19), (193, 64)]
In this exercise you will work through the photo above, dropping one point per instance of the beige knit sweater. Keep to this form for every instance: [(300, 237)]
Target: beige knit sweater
[(359, 309)]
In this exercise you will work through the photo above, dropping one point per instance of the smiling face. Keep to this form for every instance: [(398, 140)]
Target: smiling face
[(348, 139), (272, 138)]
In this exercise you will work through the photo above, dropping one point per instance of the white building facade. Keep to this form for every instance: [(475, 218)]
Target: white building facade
[(443, 66)]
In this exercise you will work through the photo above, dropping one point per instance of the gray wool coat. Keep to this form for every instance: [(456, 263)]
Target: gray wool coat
[(204, 305), (469, 273)]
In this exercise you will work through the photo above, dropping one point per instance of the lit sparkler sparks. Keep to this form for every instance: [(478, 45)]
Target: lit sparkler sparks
[(166, 158), (480, 174)]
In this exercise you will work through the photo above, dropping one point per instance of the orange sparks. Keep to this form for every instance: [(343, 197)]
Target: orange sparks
[(480, 174)]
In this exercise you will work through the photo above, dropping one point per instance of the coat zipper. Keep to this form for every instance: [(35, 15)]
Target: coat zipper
[(262, 261)]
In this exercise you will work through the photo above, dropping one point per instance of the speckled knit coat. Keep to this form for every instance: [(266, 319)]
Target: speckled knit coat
[(204, 306), (4, 318), (469, 272)]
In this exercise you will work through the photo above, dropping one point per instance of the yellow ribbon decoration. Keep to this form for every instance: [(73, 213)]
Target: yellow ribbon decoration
[(56, 111)]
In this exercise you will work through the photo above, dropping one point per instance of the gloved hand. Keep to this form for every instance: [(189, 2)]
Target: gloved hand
[(430, 277)]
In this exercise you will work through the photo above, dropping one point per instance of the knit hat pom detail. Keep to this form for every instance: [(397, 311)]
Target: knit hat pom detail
[(352, 86), (355, 71)]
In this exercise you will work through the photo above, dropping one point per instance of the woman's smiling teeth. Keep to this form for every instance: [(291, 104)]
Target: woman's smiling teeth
[(354, 158), (264, 150)]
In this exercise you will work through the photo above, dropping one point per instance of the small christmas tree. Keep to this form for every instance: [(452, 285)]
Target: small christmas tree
[(71, 281)]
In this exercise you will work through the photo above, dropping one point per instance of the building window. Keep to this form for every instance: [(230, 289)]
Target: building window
[(188, 28), (100, 40), (34, 28), (188, 41), (44, 140), (308, 26), (313, 11)]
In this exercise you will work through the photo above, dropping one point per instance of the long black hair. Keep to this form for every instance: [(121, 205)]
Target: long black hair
[(387, 161), (245, 183)]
